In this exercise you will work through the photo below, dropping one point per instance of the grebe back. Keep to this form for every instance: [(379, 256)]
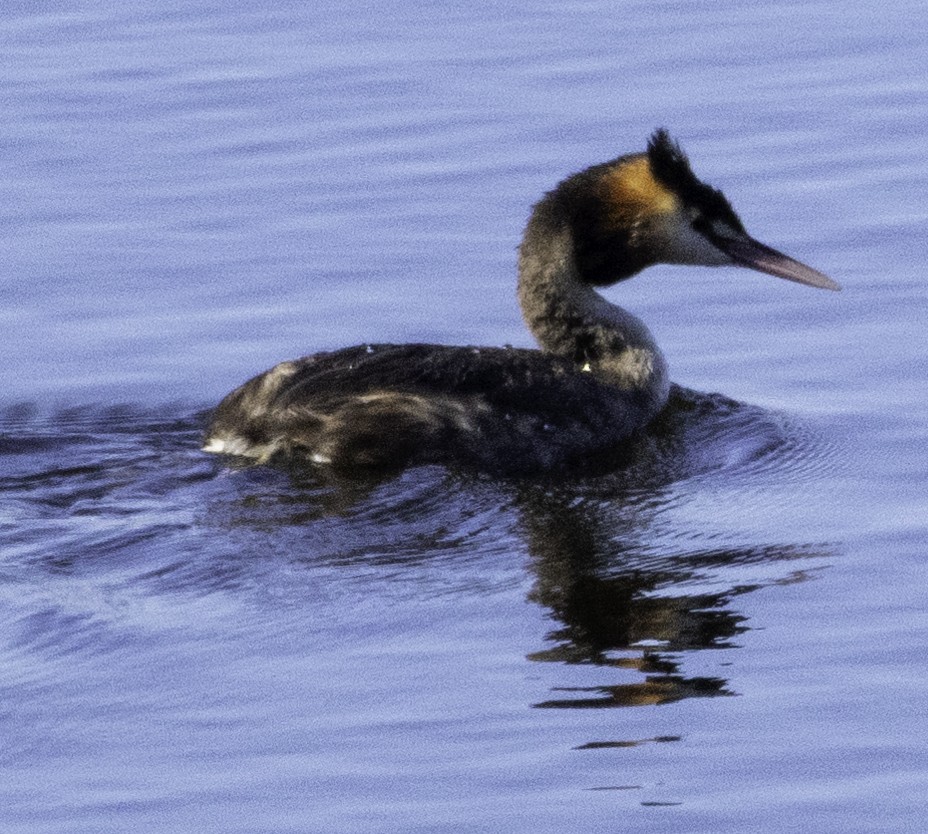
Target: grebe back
[(598, 377)]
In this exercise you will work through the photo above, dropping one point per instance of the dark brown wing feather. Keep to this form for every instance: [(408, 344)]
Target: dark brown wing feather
[(503, 409)]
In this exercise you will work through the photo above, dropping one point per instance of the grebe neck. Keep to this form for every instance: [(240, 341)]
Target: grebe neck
[(569, 318)]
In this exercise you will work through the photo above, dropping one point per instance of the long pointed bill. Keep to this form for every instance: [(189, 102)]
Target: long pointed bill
[(755, 255)]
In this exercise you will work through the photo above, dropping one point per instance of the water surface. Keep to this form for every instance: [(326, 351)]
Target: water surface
[(729, 635)]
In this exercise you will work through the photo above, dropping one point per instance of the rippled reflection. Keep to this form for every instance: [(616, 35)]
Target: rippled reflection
[(619, 607)]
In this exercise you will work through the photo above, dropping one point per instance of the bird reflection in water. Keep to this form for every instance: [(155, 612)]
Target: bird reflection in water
[(624, 606)]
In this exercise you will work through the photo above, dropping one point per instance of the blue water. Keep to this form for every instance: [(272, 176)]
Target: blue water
[(730, 638)]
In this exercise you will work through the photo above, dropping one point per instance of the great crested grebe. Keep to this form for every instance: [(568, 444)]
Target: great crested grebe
[(598, 377)]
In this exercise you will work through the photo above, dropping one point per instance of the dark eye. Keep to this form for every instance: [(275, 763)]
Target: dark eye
[(701, 224)]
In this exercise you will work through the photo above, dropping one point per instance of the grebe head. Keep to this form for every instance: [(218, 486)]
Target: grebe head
[(650, 208)]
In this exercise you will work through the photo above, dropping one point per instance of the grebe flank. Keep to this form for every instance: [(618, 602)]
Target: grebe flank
[(598, 377)]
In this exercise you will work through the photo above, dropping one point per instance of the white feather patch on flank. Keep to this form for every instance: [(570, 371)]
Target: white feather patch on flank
[(214, 446), (240, 447)]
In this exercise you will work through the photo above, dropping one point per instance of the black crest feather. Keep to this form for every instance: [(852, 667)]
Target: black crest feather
[(671, 168)]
